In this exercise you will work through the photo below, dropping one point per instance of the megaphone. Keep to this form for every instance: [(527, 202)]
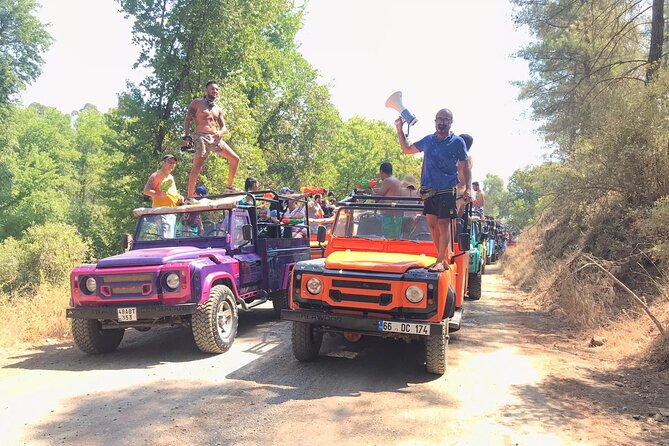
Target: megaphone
[(395, 102)]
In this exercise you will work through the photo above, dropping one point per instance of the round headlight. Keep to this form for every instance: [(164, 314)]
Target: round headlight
[(414, 294), (172, 281), (91, 285), (314, 286)]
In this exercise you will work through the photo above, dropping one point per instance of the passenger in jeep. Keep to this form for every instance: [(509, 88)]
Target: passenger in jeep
[(439, 177), (161, 186), (391, 187), (295, 212), (163, 192)]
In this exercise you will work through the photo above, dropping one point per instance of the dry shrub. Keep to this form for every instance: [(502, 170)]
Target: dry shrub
[(523, 265), (35, 317), (587, 300), (633, 337)]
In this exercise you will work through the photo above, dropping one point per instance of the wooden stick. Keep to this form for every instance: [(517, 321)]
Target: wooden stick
[(638, 299)]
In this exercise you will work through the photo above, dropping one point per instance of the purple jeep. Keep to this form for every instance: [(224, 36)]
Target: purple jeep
[(193, 265)]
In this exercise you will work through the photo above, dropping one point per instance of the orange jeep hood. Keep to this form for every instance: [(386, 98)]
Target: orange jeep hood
[(383, 262)]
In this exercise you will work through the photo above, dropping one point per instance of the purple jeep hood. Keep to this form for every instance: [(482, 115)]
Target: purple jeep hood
[(157, 256)]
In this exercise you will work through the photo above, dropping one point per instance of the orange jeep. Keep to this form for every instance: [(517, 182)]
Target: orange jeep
[(374, 280)]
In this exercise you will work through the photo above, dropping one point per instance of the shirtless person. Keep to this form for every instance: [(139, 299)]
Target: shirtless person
[(479, 198), (208, 116), (391, 187), (460, 188)]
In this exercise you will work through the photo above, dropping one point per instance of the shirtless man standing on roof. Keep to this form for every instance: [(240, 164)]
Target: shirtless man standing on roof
[(208, 117)]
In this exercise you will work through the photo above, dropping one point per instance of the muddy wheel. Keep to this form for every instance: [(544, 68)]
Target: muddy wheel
[(92, 339), (474, 286), (215, 321), (306, 341), (436, 352), (280, 302), (488, 260)]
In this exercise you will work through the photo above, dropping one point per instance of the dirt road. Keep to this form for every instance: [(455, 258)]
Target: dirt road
[(510, 381)]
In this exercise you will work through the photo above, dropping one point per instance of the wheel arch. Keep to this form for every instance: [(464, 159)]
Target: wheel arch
[(218, 279)]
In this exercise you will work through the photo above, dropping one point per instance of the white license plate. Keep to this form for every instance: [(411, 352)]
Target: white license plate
[(127, 314), (405, 327)]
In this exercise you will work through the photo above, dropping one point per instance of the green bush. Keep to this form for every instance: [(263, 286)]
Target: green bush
[(44, 255), (10, 254)]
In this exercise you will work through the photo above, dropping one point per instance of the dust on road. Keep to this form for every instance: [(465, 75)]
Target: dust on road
[(514, 377)]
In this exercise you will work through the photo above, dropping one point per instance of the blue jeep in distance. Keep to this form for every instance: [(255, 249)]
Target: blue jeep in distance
[(194, 265)]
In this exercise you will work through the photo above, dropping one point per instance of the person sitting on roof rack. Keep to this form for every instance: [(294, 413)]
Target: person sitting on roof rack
[(192, 222)]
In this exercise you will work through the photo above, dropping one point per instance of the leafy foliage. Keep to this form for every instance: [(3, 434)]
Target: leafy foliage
[(23, 39), (44, 255)]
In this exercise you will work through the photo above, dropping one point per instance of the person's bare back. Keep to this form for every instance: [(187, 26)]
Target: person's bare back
[(391, 187)]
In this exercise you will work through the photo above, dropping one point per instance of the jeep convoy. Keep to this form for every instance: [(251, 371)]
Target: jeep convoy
[(366, 271), (477, 255), (195, 265), (375, 280)]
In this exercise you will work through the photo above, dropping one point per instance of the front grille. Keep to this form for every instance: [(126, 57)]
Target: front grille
[(140, 284), (383, 300), (119, 278), (361, 285)]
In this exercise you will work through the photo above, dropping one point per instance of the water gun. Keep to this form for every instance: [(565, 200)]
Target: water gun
[(292, 221), (166, 184), (314, 190), (365, 184)]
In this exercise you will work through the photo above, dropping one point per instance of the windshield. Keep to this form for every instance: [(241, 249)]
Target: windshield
[(183, 225), (389, 224)]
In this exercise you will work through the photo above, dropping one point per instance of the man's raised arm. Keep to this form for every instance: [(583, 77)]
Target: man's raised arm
[(404, 144)]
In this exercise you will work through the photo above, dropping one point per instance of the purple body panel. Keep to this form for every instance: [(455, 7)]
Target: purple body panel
[(158, 256)]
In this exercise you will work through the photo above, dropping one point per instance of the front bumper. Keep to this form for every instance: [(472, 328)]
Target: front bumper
[(348, 322), (143, 312)]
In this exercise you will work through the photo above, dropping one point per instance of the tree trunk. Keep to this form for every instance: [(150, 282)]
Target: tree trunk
[(656, 39)]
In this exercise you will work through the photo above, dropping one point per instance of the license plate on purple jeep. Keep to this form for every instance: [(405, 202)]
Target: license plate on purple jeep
[(127, 314)]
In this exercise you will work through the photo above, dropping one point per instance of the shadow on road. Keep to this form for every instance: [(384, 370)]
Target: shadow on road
[(137, 350)]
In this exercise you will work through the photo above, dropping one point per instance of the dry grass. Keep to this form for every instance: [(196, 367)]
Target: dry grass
[(588, 299), (522, 266), (633, 337), (34, 317)]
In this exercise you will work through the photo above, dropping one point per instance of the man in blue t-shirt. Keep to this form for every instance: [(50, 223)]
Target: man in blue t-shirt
[(442, 150)]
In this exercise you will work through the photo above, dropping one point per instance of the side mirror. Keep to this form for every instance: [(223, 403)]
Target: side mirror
[(247, 232), (463, 241), (321, 234), (126, 242)]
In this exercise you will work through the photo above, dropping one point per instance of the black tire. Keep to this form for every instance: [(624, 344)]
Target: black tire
[(474, 286), (215, 321), (280, 302), (483, 264), (488, 260), (436, 352), (306, 341), (92, 339)]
